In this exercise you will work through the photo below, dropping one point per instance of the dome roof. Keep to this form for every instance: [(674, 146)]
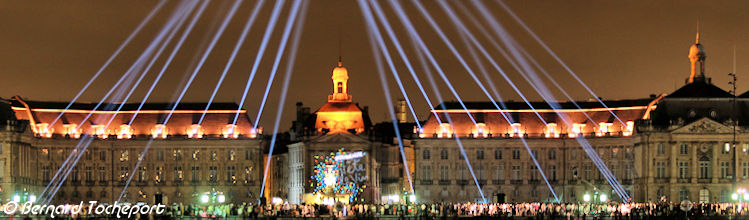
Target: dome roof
[(340, 71)]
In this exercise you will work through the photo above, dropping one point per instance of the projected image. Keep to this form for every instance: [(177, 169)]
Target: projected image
[(339, 177)]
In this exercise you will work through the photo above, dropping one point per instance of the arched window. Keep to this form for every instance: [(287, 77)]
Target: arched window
[(704, 196), (340, 87)]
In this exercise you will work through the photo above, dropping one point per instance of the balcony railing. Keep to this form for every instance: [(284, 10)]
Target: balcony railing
[(426, 182), (462, 182), (516, 182), (498, 182), (445, 182)]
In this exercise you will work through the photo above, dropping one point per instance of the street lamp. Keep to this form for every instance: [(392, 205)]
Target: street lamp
[(204, 198), (221, 198), (604, 198), (16, 198), (586, 197), (32, 198)]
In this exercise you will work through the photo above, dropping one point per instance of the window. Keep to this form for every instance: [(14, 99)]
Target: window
[(195, 173), (141, 174), (516, 172), (480, 173), (462, 171), (177, 155), (684, 169), (102, 155), (534, 193), (160, 155), (214, 155), (178, 175), (247, 174), (661, 149), (248, 155), (660, 169), (480, 154), (573, 154), (553, 172), (534, 173), (683, 194), (102, 174), (535, 153), (231, 174), (159, 174), (443, 154), (232, 155), (89, 174), (704, 196), (683, 149), (425, 154), (444, 173), (340, 87), (498, 154), (87, 153), (124, 173), (196, 155), (724, 170), (515, 154), (74, 175), (124, 156), (705, 169), (45, 173), (500, 175), (213, 173), (552, 154), (587, 172), (426, 172)]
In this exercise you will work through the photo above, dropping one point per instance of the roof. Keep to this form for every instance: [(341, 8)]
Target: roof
[(126, 106), (339, 107), (544, 105), (700, 89)]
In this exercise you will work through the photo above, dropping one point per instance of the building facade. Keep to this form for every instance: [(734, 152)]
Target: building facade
[(195, 152)]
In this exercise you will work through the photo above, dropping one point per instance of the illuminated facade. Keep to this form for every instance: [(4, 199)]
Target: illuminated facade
[(184, 159)]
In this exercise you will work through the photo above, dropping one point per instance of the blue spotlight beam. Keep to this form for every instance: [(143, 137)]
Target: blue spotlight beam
[(111, 58), (542, 89), (168, 61), (263, 45), (237, 46), (456, 22), (417, 41), (379, 49), (206, 53), (186, 32), (285, 86), (383, 48), (551, 52), (276, 63), (84, 142)]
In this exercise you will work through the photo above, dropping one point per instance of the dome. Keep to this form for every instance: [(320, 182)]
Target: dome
[(340, 71)]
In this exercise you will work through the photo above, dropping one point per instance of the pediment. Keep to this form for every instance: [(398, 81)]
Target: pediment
[(703, 126)]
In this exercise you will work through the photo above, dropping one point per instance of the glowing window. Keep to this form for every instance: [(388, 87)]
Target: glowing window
[(159, 131), (194, 131), (44, 130), (577, 129), (230, 131), (603, 128), (99, 130), (551, 130), (444, 131), (480, 130), (629, 129), (514, 130), (72, 130), (254, 132), (125, 132)]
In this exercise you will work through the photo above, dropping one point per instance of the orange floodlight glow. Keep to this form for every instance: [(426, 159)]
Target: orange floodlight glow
[(99, 131), (43, 130), (539, 110), (230, 131), (551, 130), (72, 130), (195, 131), (125, 132), (515, 130), (159, 131), (577, 129)]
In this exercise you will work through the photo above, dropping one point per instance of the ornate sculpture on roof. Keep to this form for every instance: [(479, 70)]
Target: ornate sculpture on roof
[(697, 55)]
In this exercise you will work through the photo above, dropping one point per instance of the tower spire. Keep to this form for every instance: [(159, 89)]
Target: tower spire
[(697, 56)]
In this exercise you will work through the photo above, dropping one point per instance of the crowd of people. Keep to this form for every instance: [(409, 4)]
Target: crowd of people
[(437, 211), (452, 210)]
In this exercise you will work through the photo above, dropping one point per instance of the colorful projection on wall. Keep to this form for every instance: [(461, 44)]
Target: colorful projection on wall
[(339, 174)]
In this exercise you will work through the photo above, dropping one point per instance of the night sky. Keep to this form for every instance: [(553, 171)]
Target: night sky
[(621, 49)]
